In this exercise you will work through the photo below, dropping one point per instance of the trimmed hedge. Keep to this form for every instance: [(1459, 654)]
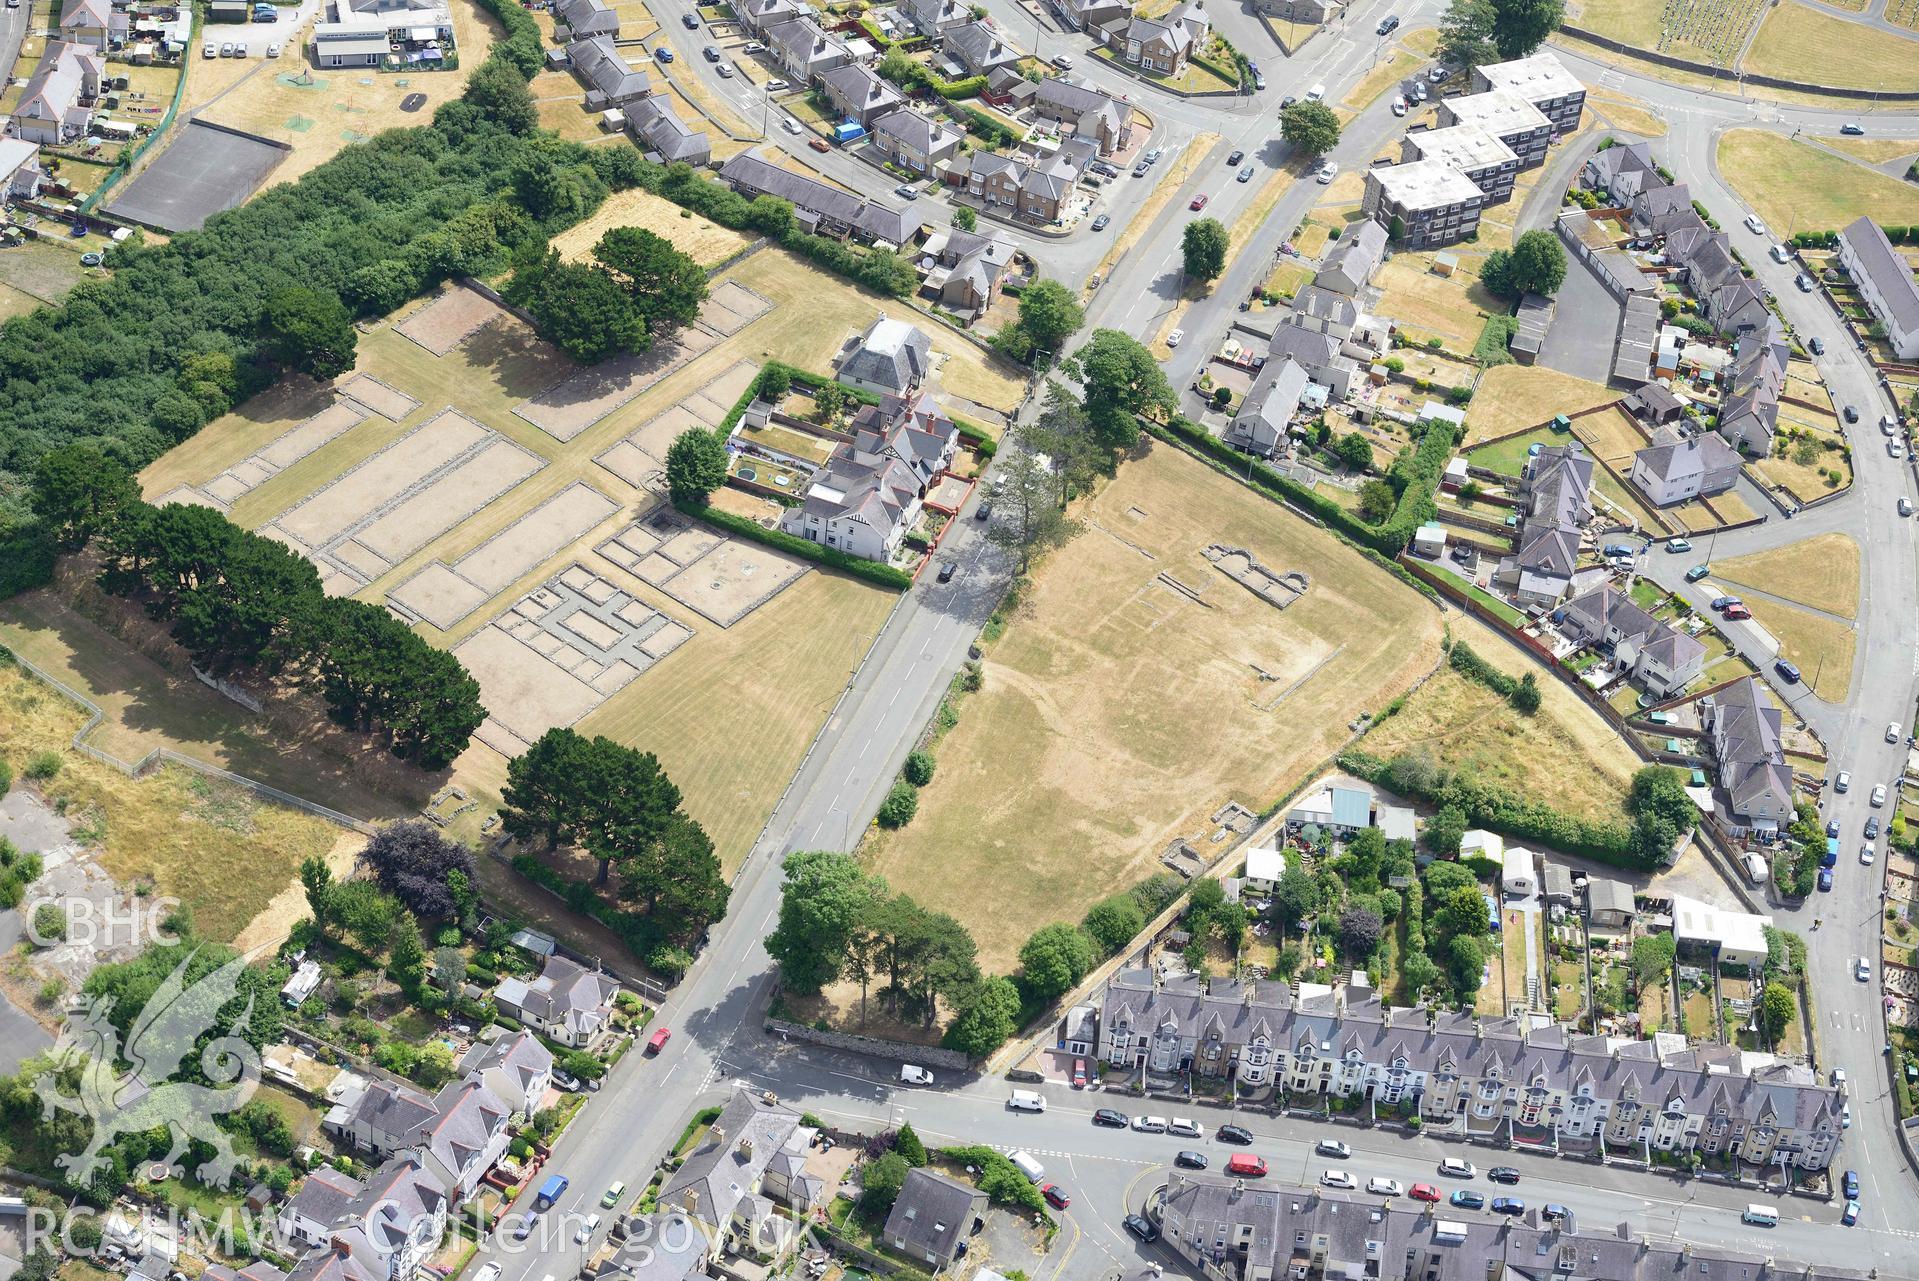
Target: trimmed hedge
[(975, 435), (831, 557), (521, 45)]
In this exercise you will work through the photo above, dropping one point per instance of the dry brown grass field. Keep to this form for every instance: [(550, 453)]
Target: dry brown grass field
[(1511, 397), (1564, 753), (1822, 571), (707, 242), (1118, 712)]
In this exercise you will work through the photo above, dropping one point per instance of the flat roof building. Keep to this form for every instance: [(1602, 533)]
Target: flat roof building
[(1507, 117), (1490, 163), (1425, 204), (1541, 80)]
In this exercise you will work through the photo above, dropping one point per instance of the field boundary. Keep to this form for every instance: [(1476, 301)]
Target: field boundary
[(1732, 75), (134, 769)]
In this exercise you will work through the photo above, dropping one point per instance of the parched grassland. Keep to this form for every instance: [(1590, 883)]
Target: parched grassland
[(1799, 42), (1791, 183), (1514, 396), (1137, 689), (1821, 646), (210, 844), (1564, 754), (1822, 571), (706, 242)]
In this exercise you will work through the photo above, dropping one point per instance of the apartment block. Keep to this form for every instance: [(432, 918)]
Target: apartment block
[(1424, 204), (1490, 163)]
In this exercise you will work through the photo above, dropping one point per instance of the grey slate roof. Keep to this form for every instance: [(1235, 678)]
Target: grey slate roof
[(1888, 271), (891, 354), (980, 46), (920, 132), (809, 196), (1348, 268), (324, 1195), (857, 83), (662, 131), (599, 65), (1324, 304), (1694, 456), (932, 1215), (745, 1138), (1746, 742)]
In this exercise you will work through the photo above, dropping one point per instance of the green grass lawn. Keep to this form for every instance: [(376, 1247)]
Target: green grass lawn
[(1508, 456)]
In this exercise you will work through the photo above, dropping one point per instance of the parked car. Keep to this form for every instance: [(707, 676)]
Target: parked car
[(1720, 602), (1843, 783), (1152, 156), (1111, 1117), (1849, 1215), (1190, 1160), (1287, 101), (1399, 104), (1788, 672), (1102, 222), (1259, 81), (1467, 1199), (907, 191), (1825, 880), (209, 50), (1878, 795), (1332, 1148), (663, 54), (1697, 572), (1142, 1227), (1454, 1167), (1079, 1074), (1832, 827), (226, 50), (613, 1195), (1150, 1124), (1186, 1127), (752, 46), (1867, 854), (1737, 612), (1849, 1181), (1755, 226), (1139, 169), (1817, 346), (1872, 827), (1056, 1196), (1379, 1185), (711, 53), (1780, 253), (1503, 1174), (1804, 282), (1339, 1179), (1838, 1078), (1508, 1205), (1862, 969), (913, 1073), (1553, 1212), (1894, 449), (1905, 506), (1233, 1134), (1199, 201), (1064, 61), (657, 1042), (817, 144), (690, 21), (1852, 413), (1678, 545), (778, 86), (587, 1228), (1423, 1192), (1173, 339), (1327, 172), (1315, 93)]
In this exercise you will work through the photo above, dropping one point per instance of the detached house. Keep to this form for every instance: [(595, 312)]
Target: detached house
[(870, 491), (517, 1068), (1162, 45), (568, 1002), (914, 141), (1085, 112), (56, 106), (968, 270), (891, 358), (931, 1217), (860, 95), (1885, 282), (1676, 468), (1556, 485), (1754, 794)]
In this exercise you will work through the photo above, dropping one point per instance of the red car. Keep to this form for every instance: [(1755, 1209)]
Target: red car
[(1199, 201), (818, 144), (657, 1040), (1424, 1192), (1056, 1196), (1738, 611), (1247, 1166), (1079, 1074)]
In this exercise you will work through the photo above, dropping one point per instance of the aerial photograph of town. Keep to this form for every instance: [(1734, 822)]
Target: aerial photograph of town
[(959, 640)]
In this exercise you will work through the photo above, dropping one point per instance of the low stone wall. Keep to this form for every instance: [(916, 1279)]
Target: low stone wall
[(873, 1046)]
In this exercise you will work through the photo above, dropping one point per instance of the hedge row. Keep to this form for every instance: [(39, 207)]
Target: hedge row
[(1469, 664), (1420, 475), (521, 45), (1497, 809), (975, 435), (831, 557)]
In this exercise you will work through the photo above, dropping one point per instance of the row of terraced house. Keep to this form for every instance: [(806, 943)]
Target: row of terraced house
[(1502, 1080)]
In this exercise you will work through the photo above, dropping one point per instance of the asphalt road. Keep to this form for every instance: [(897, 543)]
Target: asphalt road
[(715, 1012)]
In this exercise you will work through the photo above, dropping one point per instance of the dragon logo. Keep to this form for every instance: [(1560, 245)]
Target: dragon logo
[(159, 1045)]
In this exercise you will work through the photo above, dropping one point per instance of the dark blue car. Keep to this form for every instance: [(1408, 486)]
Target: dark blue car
[(1508, 1205), (1850, 1182)]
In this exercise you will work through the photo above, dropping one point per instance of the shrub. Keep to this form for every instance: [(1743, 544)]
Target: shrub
[(43, 765), (919, 768), (900, 805), (50, 922)]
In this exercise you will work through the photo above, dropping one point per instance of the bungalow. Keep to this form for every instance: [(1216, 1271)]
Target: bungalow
[(1609, 903), (1345, 809), (979, 47), (609, 79), (86, 22), (1085, 112), (1162, 45), (914, 141), (20, 172), (584, 18), (821, 209), (870, 491), (860, 95), (1264, 867), (56, 106), (805, 50), (1655, 405), (303, 983), (568, 1002), (891, 358), (662, 136), (1885, 282), (932, 1218), (1675, 468)]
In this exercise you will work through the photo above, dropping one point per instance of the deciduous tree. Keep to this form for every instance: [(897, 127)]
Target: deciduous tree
[(1121, 381), (823, 901), (1049, 314), (1203, 247), (308, 330), (1055, 958), (1311, 127), (989, 1014), (695, 465), (413, 861)]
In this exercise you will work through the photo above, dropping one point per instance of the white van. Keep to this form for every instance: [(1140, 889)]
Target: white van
[(1150, 1124), (912, 1074), (1763, 1216), (1187, 1126), (1315, 93), (1032, 1169), (1455, 1168), (1026, 1101)]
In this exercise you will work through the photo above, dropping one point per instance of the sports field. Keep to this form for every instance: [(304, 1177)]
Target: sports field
[(1137, 689), (474, 479)]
